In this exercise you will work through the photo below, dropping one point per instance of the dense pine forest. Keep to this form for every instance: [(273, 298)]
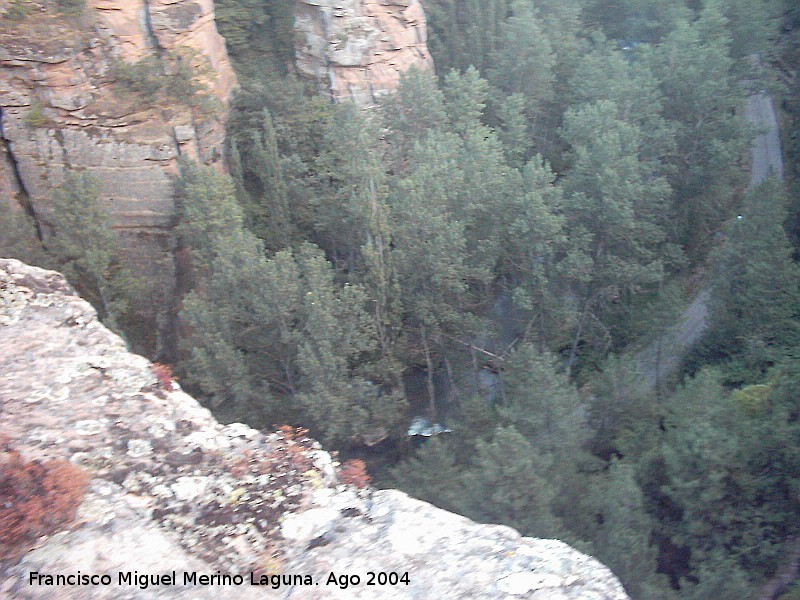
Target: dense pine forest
[(488, 253)]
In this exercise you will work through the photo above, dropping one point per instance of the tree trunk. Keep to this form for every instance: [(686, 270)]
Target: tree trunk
[(573, 351), (453, 392), (429, 364)]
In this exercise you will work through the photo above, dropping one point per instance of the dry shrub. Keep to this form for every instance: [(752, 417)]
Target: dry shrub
[(296, 448), (354, 472), (164, 375), (36, 498)]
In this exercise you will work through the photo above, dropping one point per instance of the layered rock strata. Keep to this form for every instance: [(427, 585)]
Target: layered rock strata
[(62, 106), (173, 490), (358, 48)]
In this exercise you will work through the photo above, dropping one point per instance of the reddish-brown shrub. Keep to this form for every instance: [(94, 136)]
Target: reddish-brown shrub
[(164, 375), (292, 434), (354, 472), (36, 498), (297, 448)]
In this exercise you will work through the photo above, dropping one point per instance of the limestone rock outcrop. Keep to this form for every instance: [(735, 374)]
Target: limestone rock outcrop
[(62, 106), (358, 48), (174, 490)]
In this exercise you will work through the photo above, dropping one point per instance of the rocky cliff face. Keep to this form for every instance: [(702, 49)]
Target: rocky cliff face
[(358, 48), (63, 105), (173, 490)]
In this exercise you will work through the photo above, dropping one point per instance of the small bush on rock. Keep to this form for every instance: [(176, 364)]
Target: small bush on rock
[(144, 77), (18, 10), (354, 472), (72, 8), (36, 498), (35, 116), (164, 375)]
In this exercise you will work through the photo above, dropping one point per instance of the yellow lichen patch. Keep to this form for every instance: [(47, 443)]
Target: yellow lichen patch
[(314, 479), (236, 495)]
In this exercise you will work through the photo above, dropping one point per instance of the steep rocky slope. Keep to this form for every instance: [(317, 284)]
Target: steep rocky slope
[(173, 490), (67, 101), (358, 48)]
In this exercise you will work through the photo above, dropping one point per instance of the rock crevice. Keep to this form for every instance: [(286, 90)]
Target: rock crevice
[(13, 190)]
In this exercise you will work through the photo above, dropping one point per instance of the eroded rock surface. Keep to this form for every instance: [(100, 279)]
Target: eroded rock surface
[(62, 106), (173, 490), (358, 48)]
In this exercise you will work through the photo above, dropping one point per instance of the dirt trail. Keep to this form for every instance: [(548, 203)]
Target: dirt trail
[(661, 358), (766, 151)]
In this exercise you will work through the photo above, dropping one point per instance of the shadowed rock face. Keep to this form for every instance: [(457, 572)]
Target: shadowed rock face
[(61, 106), (358, 48), (173, 490)]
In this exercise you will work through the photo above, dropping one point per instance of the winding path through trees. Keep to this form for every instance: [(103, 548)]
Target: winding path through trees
[(661, 358)]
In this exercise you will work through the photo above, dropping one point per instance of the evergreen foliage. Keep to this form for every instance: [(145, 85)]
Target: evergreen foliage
[(269, 331), (509, 483), (208, 211), (170, 77), (18, 237), (755, 294), (725, 476), (696, 71), (87, 250), (623, 538), (615, 208)]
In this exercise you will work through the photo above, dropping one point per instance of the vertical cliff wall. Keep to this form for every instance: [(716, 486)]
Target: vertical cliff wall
[(63, 105), (358, 48)]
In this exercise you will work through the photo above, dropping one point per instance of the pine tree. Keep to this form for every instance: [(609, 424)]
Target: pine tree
[(622, 407), (416, 109), (432, 474), (18, 237), (353, 180), (615, 206), (524, 63), (429, 240), (725, 478), (513, 130), (87, 249), (265, 201), (752, 25), (208, 210), (534, 245), (337, 337), (430, 252), (543, 406), (755, 299), (238, 356), (465, 33), (509, 483), (266, 334), (489, 185), (465, 100), (354, 221), (701, 101), (624, 537), (605, 73)]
